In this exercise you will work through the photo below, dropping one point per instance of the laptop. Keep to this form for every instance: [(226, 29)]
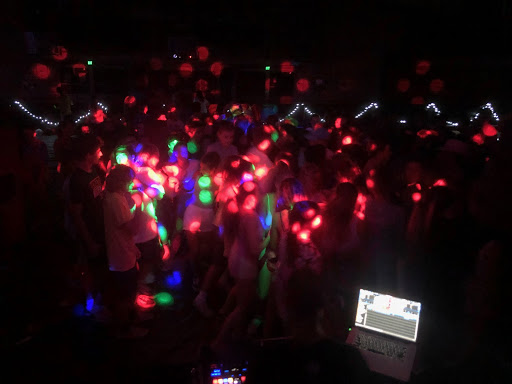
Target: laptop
[(385, 332)]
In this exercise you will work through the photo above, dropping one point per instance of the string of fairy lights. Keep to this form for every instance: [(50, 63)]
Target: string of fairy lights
[(50, 122), (297, 107)]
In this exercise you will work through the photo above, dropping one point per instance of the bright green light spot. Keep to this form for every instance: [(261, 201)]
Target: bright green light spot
[(130, 187), (121, 158), (150, 209), (162, 232), (191, 147), (204, 182), (267, 68), (274, 136), (253, 167), (164, 298), (205, 197), (132, 209), (89, 62), (179, 224), (349, 329), (172, 144)]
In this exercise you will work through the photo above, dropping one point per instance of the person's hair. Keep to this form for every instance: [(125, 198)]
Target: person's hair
[(289, 188), (211, 160), (225, 126), (118, 177), (85, 144), (235, 173)]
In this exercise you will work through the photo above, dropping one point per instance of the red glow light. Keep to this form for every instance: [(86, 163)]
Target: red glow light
[(489, 130), (186, 70), (287, 67), (99, 116), (201, 85), (247, 177), (167, 253), (373, 147), (235, 163), (156, 64), (261, 172), (361, 199), (172, 170), (130, 100), (423, 133), (347, 140), (370, 183), (478, 139), (41, 71), (202, 53), (59, 53), (145, 109), (263, 146), (317, 221), (403, 85), (249, 186), (250, 202), (418, 187), (145, 301), (267, 128), (162, 117), (79, 69), (304, 236), (422, 67), (436, 85), (337, 122), (416, 196), (85, 129), (440, 183), (309, 213), (137, 198), (302, 85), (194, 226), (172, 110), (360, 215), (152, 225), (216, 68), (295, 227), (232, 207)]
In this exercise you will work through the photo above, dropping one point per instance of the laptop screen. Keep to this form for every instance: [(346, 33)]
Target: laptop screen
[(387, 314)]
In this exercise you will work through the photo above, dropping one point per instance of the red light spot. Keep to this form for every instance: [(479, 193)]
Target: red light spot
[(422, 67), (418, 187), (302, 85), (145, 301), (155, 64), (417, 100), (423, 133), (79, 69), (361, 199), (216, 117), (309, 213), (186, 70), (85, 129), (59, 53), (436, 85), (295, 227), (99, 116), (287, 67), (403, 85), (440, 183), (337, 122), (137, 199), (416, 196), (250, 202), (202, 53), (194, 226), (370, 183), (130, 100), (263, 146), (167, 253), (145, 109), (247, 177), (172, 80), (285, 100), (478, 139), (489, 130), (172, 182), (58, 167), (487, 158), (152, 225), (317, 221), (162, 117), (347, 140), (249, 186), (373, 147), (153, 161), (243, 379), (304, 236), (216, 68), (360, 215), (261, 172), (201, 85), (232, 207), (172, 170), (41, 71), (267, 84)]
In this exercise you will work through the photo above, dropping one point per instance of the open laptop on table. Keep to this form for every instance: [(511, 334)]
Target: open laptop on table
[(385, 332)]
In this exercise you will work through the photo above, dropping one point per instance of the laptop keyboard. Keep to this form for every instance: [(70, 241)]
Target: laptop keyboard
[(382, 346)]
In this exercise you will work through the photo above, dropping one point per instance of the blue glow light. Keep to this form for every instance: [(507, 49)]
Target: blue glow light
[(89, 304), (138, 148), (174, 280)]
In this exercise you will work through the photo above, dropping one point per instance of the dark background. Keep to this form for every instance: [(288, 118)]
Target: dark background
[(352, 52)]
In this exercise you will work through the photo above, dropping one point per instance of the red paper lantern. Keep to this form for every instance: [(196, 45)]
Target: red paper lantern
[(422, 67), (202, 53), (436, 85), (186, 70), (59, 53), (302, 85), (41, 71), (216, 68), (403, 85)]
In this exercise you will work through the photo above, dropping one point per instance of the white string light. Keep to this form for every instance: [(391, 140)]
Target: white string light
[(486, 106), (296, 108), (42, 119), (402, 121), (366, 109), (434, 107), (452, 124), (48, 122)]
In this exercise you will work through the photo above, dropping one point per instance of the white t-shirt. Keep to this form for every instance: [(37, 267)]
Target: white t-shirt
[(259, 158), (223, 152), (242, 262), (122, 252)]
